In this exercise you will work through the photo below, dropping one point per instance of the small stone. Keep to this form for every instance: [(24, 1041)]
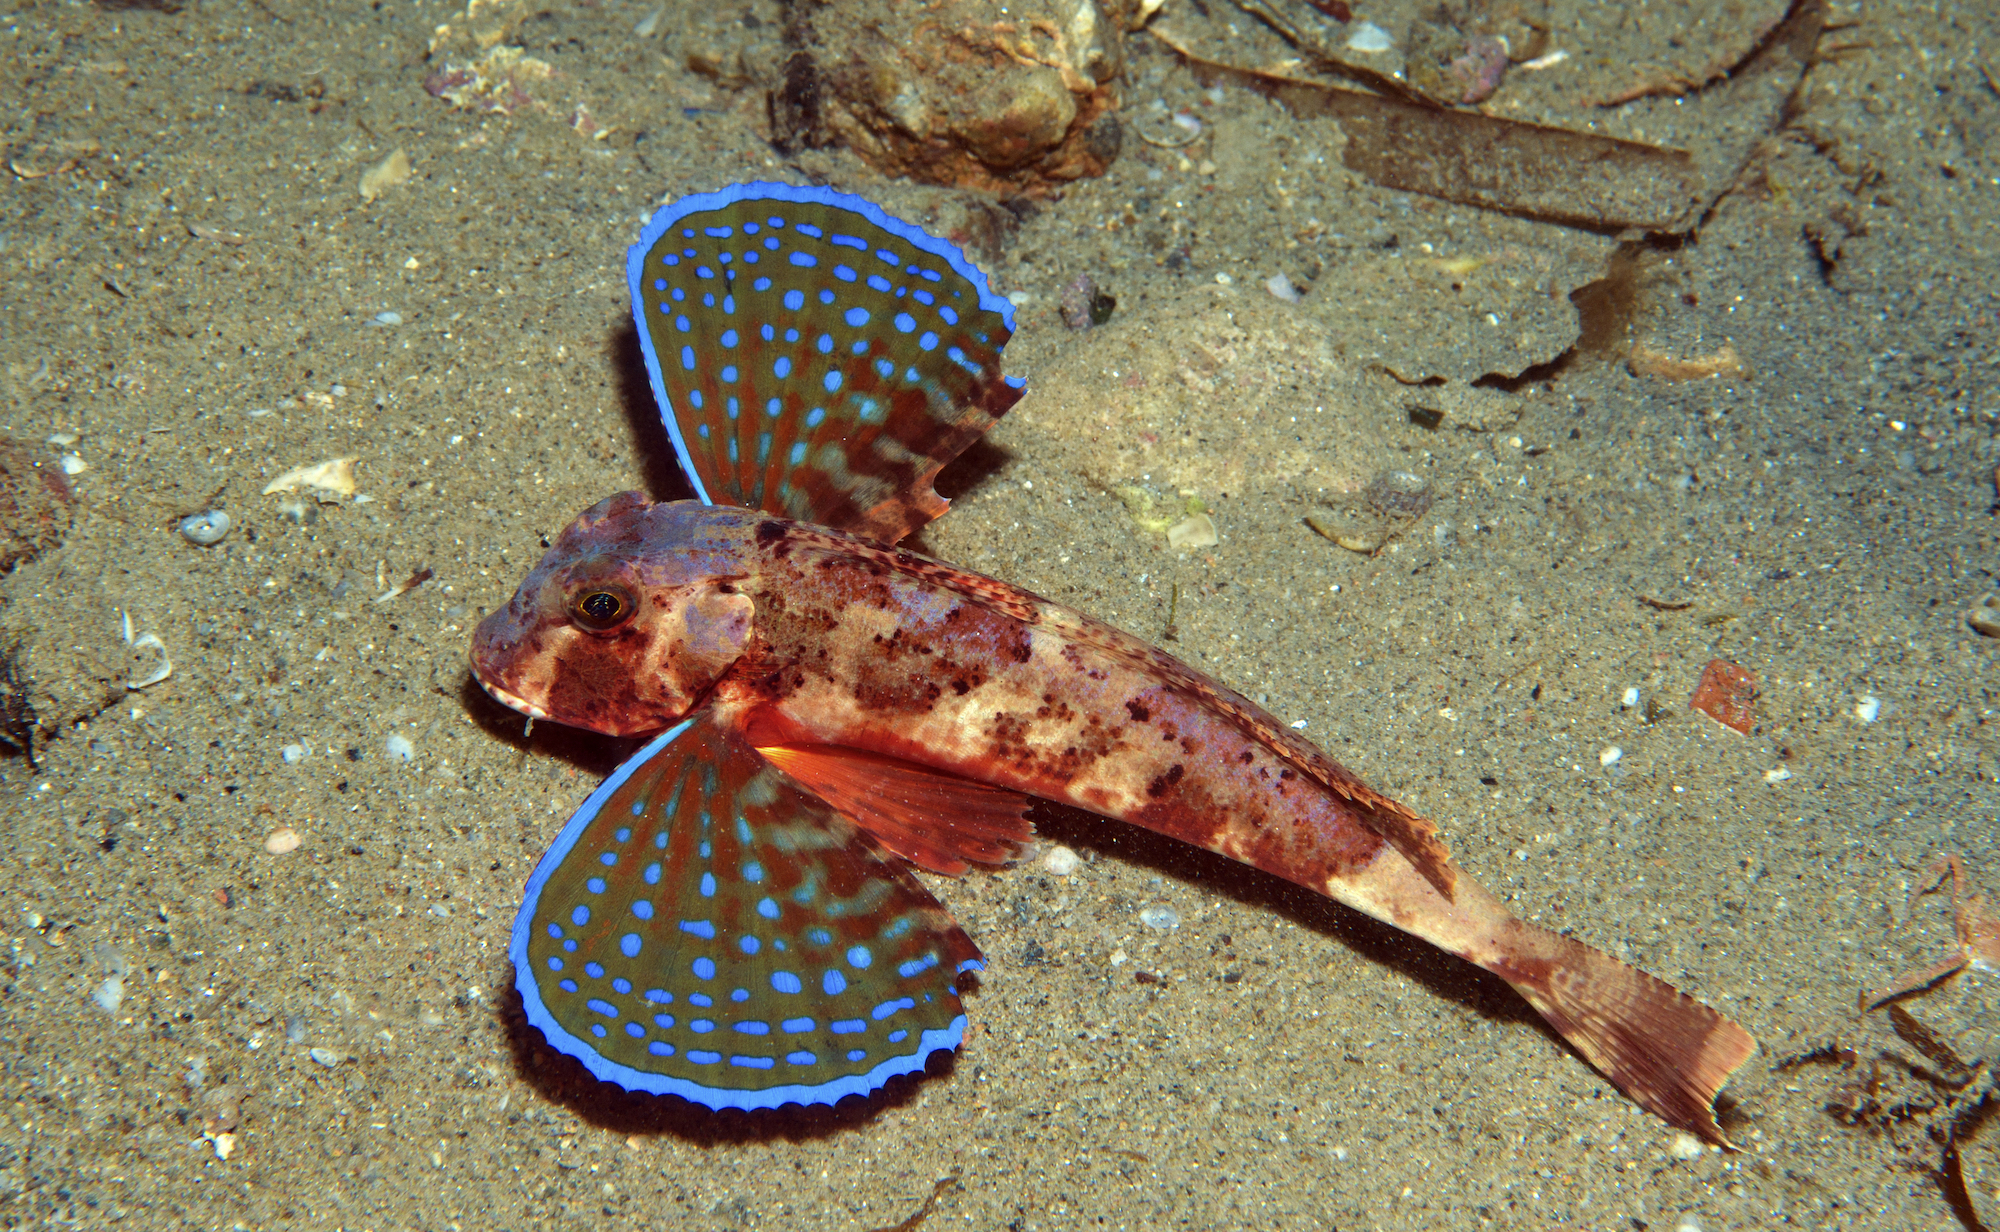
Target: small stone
[(1778, 775), (1077, 295), (1727, 693), (1369, 39), (110, 994), (205, 528), (295, 1029), (282, 841), (1685, 1146), (1610, 755), (386, 320), (1868, 709), (1160, 916), (1280, 286), (400, 748), (387, 174), (1631, 698), (1060, 861), (325, 1056), (293, 754), (1985, 619), (1194, 531), (225, 1145)]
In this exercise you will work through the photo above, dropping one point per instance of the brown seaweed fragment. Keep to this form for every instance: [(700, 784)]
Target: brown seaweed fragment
[(1549, 174), (1978, 936)]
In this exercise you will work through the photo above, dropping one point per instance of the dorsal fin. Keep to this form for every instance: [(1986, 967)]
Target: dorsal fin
[(815, 357)]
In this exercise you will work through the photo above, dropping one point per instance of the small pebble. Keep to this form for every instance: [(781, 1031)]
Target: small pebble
[(1631, 698), (293, 753), (1060, 861), (1985, 619), (205, 528), (1160, 916), (1281, 286), (282, 840), (1610, 755), (73, 465), (1197, 530), (400, 748), (1777, 776), (1685, 1146), (387, 174), (295, 1029), (325, 1056), (110, 994), (1369, 39), (1084, 305), (386, 320), (1868, 709)]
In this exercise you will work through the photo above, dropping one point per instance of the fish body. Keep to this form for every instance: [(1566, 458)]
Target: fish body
[(856, 705)]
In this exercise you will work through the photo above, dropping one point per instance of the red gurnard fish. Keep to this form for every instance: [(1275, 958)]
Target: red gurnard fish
[(730, 918)]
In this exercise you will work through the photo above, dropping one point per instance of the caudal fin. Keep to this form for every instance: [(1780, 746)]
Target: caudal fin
[(1668, 1052)]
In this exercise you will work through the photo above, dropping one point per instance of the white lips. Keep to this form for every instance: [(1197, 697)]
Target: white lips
[(512, 702)]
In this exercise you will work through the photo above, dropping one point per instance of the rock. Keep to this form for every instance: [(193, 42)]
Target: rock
[(948, 94)]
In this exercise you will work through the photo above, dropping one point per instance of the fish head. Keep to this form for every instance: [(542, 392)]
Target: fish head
[(627, 621)]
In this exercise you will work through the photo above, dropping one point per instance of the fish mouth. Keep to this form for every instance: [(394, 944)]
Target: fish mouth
[(511, 701)]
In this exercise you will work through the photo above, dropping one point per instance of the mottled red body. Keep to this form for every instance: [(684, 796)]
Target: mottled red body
[(877, 648), (819, 646)]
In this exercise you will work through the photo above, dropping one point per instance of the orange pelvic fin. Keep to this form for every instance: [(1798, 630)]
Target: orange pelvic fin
[(938, 822)]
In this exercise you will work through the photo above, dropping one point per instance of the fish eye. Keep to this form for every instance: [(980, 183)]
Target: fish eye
[(601, 608)]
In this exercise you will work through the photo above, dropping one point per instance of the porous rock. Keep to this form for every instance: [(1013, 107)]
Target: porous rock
[(958, 92)]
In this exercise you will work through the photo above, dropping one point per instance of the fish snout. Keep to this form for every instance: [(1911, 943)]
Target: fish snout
[(498, 660)]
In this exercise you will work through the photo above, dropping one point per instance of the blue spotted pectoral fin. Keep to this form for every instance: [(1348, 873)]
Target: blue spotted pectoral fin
[(815, 357), (706, 929)]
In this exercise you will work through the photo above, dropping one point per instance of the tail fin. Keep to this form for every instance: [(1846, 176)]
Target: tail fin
[(1668, 1052)]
